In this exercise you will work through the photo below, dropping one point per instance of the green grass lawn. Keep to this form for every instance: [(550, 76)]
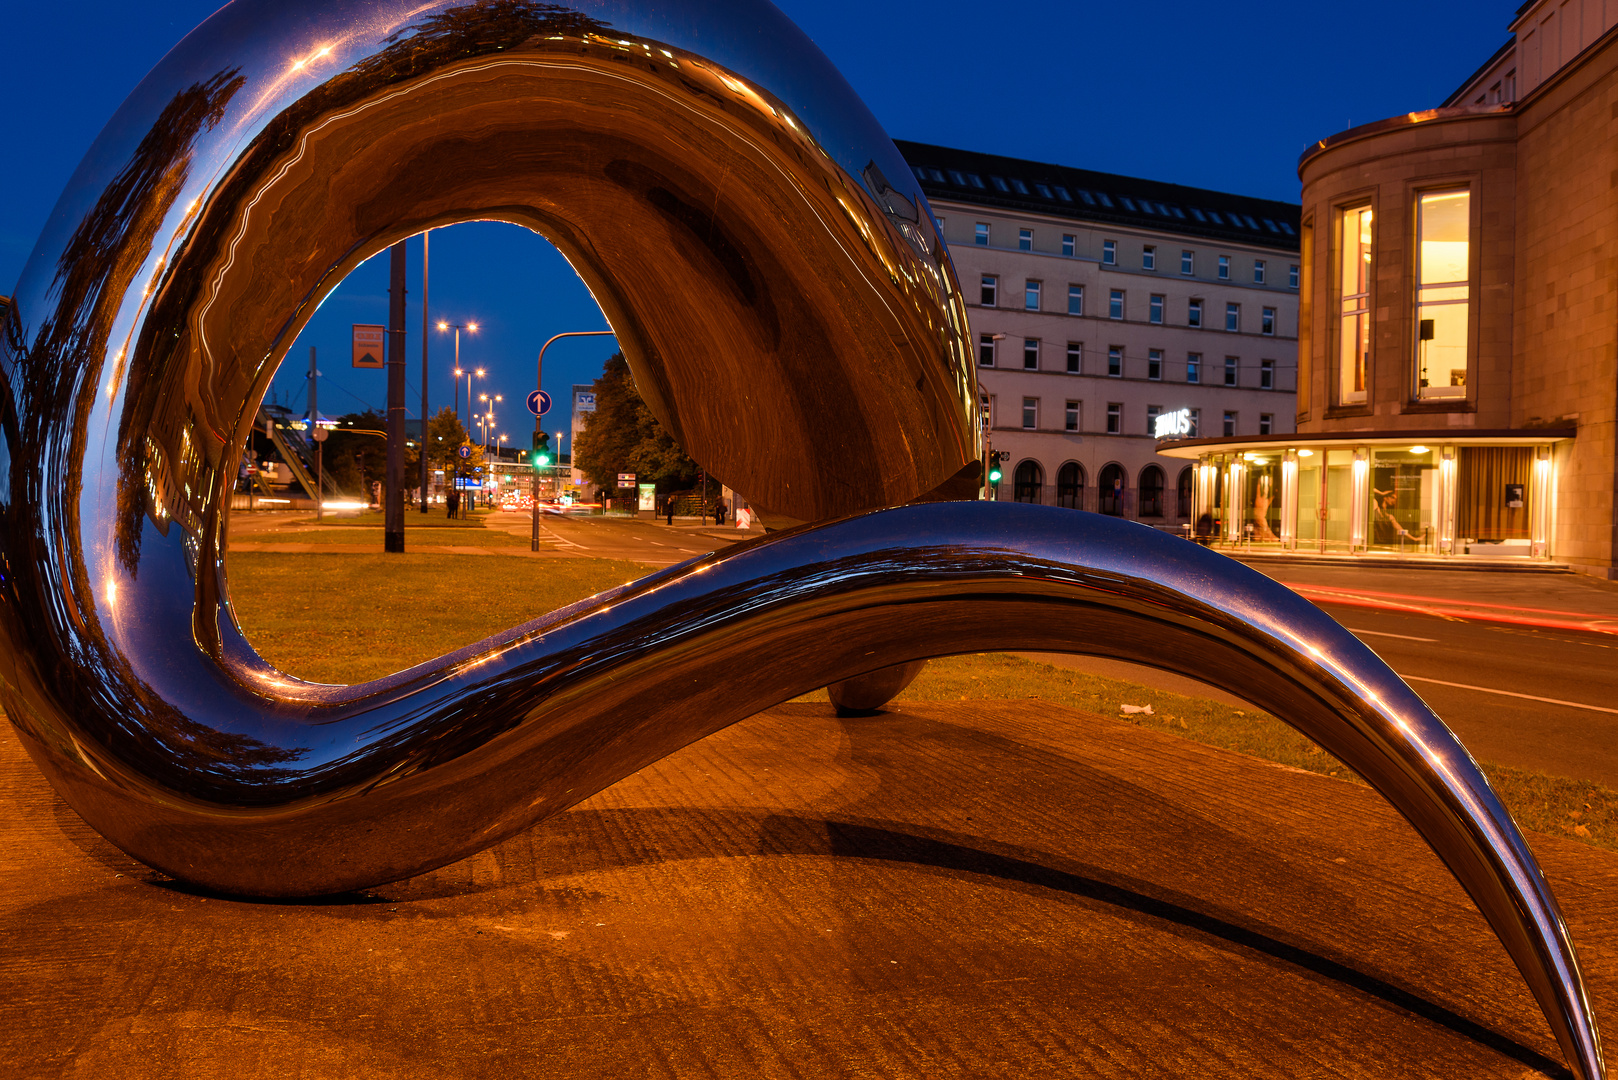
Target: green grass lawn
[(343, 618), (414, 534)]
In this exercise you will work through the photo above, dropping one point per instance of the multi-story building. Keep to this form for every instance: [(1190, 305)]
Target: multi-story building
[(1458, 387), (1107, 311)]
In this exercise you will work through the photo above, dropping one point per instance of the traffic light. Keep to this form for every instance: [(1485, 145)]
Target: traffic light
[(994, 465), (542, 449)]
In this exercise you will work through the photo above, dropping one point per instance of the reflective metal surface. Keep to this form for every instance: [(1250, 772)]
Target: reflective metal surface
[(781, 293)]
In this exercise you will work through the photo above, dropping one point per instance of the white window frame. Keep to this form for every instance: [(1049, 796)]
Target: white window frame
[(1233, 317), (1193, 368), (1109, 253), (1030, 294), (1224, 268), (1072, 416), (1266, 375), (1075, 299), (1115, 361), (1115, 304), (1231, 421), (989, 287), (1025, 239), (1075, 358), (1030, 412), (1258, 271), (987, 341), (1148, 257), (980, 234), (1070, 244), (1233, 371), (1188, 262), (1154, 364), (1266, 324), (1193, 313), (1115, 418), (1292, 276), (1030, 351), (1154, 309)]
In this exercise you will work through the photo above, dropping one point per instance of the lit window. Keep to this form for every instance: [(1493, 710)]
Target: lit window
[(1030, 354), (1025, 239), (1148, 257), (1258, 271), (1109, 253), (1193, 367), (1152, 412), (1292, 277), (1354, 325), (1075, 299), (1231, 363), (1188, 263), (986, 350), (1069, 244), (982, 235), (1224, 268), (1115, 305), (1193, 313), (1030, 296), (1230, 423), (1443, 293), (1115, 417), (1265, 422), (1266, 374), (1115, 361), (1070, 422), (991, 286), (1075, 357), (1267, 323), (1156, 308), (1233, 317), (1030, 413), (1154, 363)]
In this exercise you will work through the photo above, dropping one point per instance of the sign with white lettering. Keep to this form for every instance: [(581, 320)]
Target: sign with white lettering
[(583, 402), (1173, 425), (368, 341)]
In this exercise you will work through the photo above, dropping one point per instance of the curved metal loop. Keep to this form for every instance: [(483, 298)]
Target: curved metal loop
[(779, 287)]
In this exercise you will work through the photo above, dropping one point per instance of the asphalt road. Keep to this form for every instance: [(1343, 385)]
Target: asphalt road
[(641, 540)]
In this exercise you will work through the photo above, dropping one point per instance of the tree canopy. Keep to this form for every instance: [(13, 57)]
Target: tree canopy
[(622, 436)]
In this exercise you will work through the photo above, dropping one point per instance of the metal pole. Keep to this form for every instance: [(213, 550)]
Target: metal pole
[(425, 416), (539, 421), (314, 424), (393, 538)]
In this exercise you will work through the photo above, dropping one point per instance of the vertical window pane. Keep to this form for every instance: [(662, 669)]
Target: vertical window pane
[(986, 350), (1193, 313), (1025, 240), (1292, 277), (1266, 375), (1115, 305), (1030, 296), (990, 285), (1230, 370), (1115, 361), (981, 234), (1068, 243), (1030, 354), (1188, 264), (1354, 277), (1267, 324), (1224, 267), (1156, 313), (1230, 423), (1152, 412), (1154, 363), (1109, 252), (1193, 367), (1233, 317), (1258, 271), (1075, 299), (1443, 293), (1030, 412), (1148, 258), (1071, 421), (1115, 418), (1075, 357)]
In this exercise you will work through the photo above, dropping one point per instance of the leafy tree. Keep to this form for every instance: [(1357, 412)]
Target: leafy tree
[(622, 436), (445, 437)]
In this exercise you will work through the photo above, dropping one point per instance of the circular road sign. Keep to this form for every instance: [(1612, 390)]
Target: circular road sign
[(466, 451), (539, 402)]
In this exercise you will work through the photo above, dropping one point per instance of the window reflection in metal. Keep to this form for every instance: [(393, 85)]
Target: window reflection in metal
[(1443, 293)]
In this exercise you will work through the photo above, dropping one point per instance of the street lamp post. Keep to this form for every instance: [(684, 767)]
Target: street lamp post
[(470, 328), (539, 384)]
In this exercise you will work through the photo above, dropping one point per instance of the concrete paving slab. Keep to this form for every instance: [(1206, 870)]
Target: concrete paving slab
[(946, 890)]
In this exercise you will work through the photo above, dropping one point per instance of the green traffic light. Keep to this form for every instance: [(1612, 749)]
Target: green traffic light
[(994, 468)]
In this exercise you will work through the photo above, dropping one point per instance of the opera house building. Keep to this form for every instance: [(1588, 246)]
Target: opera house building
[(1458, 326)]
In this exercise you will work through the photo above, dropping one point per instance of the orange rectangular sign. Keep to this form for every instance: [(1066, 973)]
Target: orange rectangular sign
[(368, 345)]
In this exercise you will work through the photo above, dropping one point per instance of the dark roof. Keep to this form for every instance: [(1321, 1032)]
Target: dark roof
[(1035, 187)]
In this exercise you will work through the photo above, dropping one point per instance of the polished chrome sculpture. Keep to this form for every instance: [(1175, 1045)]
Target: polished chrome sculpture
[(780, 290)]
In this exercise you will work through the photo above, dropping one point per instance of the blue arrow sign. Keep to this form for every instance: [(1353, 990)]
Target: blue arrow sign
[(466, 451), (539, 403)]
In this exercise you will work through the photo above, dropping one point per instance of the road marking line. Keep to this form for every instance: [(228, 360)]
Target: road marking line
[(559, 540), (1384, 633), (1509, 693), (654, 543)]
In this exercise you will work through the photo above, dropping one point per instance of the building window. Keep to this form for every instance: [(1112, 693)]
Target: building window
[(1027, 482), (1030, 354), (1354, 283), (1070, 486), (1030, 296), (1075, 299), (1258, 271), (985, 350), (1109, 253), (1266, 374), (1443, 293), (1193, 367), (986, 403), (1224, 268), (1155, 312), (981, 236), (1196, 423), (1267, 323), (1230, 421), (1266, 421), (1188, 263), (991, 286), (1292, 277), (1030, 413), (1152, 413), (1193, 314), (1115, 305), (1151, 492), (1233, 317), (1154, 363), (1148, 257), (1115, 361), (1025, 239), (1115, 417), (1069, 244), (1110, 493), (1075, 357), (1231, 364), (1070, 421)]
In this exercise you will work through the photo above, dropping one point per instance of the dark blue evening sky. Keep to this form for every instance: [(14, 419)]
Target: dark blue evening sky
[(1222, 96)]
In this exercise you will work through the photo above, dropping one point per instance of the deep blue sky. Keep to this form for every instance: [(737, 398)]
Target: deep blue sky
[(1223, 96)]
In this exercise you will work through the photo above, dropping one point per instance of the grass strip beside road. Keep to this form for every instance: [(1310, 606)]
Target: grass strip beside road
[(344, 618), (428, 535)]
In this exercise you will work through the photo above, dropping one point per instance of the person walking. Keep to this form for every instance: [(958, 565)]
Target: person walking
[(668, 508)]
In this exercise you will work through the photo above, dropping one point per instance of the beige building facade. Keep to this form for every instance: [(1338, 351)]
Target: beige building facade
[(1107, 311), (1459, 327)]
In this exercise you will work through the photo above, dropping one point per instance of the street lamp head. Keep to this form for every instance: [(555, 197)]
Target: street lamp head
[(473, 327), (458, 373), (443, 325), (480, 373)]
